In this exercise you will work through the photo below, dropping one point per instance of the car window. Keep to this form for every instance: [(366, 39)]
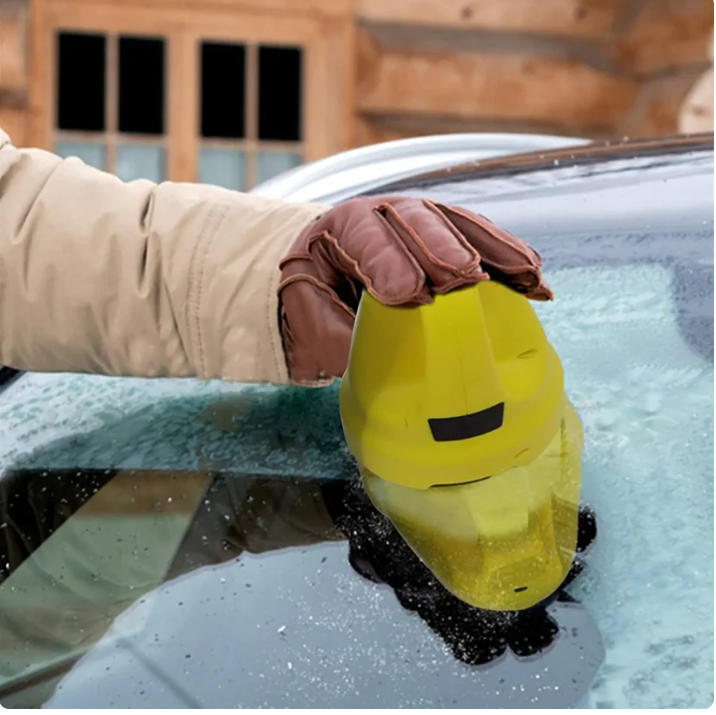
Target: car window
[(172, 542)]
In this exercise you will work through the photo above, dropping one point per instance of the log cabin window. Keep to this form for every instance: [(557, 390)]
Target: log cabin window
[(212, 92), (251, 107), (111, 96), (110, 102)]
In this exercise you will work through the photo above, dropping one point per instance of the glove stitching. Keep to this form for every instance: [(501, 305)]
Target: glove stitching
[(318, 284)]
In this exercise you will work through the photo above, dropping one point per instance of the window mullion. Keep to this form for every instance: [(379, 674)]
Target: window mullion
[(252, 112), (112, 100), (181, 119)]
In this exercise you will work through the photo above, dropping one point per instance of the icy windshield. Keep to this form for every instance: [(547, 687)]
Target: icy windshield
[(174, 543)]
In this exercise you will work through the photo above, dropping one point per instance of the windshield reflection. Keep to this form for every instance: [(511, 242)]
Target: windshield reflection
[(79, 547)]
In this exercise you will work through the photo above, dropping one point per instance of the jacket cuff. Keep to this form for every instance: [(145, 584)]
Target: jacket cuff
[(234, 290)]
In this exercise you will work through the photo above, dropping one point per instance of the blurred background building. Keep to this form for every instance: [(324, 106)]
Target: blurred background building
[(235, 91)]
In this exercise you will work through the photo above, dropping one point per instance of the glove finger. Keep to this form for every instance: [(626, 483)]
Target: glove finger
[(355, 239), (445, 256), (505, 256), (495, 244), (383, 265)]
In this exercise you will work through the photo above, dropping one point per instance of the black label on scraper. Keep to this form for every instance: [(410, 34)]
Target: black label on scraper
[(452, 429)]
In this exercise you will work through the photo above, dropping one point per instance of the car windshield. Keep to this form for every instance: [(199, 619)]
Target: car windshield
[(174, 543)]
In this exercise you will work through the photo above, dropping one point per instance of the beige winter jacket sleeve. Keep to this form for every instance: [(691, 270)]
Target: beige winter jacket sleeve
[(138, 279)]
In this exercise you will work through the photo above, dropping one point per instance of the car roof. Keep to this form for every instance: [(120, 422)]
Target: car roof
[(392, 165), (340, 176)]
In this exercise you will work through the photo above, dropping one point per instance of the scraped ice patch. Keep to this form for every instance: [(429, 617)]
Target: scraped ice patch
[(308, 636), (647, 405)]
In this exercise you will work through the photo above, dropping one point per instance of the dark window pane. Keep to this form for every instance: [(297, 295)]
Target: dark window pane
[(141, 85), (81, 82), (223, 90), (280, 93)]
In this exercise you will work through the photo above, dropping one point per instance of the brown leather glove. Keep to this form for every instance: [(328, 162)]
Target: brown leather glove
[(402, 251)]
